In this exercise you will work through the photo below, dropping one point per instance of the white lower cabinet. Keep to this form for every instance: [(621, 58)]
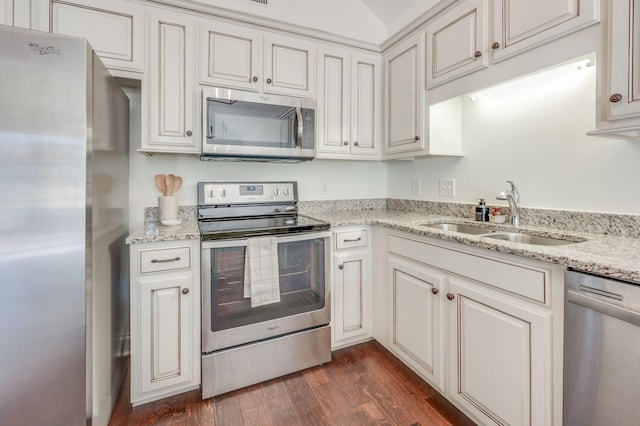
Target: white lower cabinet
[(498, 354), (416, 335), (165, 319), (351, 292), (484, 328)]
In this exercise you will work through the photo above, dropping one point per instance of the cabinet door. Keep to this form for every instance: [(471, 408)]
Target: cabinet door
[(365, 106), (289, 67), (457, 43), (521, 25), (333, 105), (172, 87), (29, 14), (499, 355), (415, 318), (230, 56), (115, 32), (351, 297), (165, 326), (624, 54), (404, 96)]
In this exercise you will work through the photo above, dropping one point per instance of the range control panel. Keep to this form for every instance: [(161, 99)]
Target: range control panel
[(216, 193)]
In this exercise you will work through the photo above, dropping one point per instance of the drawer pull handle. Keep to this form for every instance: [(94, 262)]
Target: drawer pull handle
[(174, 259), (435, 290), (340, 266), (185, 291), (450, 296), (352, 240)]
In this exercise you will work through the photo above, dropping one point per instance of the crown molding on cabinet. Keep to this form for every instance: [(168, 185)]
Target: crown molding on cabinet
[(420, 21), (267, 23)]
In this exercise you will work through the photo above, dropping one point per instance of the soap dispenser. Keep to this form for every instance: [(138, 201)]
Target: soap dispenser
[(482, 211)]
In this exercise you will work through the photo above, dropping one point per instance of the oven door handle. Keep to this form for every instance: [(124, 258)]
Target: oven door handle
[(282, 238)]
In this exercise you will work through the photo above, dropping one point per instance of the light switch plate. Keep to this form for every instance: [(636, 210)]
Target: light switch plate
[(447, 187)]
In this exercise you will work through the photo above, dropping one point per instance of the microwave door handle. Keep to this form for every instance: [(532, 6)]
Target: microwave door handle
[(298, 128)]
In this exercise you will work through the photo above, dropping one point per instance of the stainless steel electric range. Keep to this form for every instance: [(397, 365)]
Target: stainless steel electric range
[(265, 284)]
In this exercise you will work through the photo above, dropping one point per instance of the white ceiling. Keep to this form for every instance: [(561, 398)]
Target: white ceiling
[(398, 12), (372, 21)]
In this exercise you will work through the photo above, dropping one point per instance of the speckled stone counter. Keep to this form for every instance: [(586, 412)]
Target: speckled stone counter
[(611, 246), (154, 231), (616, 257)]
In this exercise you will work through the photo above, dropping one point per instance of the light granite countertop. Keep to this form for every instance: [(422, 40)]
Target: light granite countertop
[(613, 256)]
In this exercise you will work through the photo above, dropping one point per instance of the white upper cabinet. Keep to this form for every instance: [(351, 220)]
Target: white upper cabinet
[(289, 66), (230, 56), (521, 25), (171, 88), (623, 95), (349, 106), (404, 98), (115, 29), (457, 43), (243, 58)]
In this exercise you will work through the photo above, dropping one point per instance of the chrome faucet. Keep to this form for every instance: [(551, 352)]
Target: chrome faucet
[(512, 197)]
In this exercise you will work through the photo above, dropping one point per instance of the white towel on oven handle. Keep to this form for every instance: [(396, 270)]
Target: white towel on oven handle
[(261, 274)]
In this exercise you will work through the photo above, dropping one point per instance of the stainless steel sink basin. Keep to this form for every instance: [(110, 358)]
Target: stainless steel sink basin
[(517, 237), (457, 227)]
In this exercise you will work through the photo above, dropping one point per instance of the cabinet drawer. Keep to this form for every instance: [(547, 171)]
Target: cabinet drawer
[(351, 239), (165, 259), (524, 280)]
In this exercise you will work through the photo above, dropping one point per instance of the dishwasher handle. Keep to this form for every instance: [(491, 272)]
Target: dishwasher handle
[(609, 309)]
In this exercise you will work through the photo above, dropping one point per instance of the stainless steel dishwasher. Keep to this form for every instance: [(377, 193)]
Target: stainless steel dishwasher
[(601, 351)]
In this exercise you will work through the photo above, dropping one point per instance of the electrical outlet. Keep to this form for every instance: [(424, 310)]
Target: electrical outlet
[(325, 189), (447, 187), (416, 187)]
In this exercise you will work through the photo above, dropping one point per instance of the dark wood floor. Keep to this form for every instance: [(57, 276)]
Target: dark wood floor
[(362, 385)]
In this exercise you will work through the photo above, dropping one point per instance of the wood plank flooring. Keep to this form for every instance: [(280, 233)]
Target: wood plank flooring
[(362, 385)]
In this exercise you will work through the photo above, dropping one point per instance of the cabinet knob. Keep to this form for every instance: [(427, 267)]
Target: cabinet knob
[(340, 266), (356, 144), (416, 138), (185, 291), (450, 296), (616, 97), (477, 54), (345, 143), (189, 133), (495, 45), (268, 81), (435, 290), (255, 79)]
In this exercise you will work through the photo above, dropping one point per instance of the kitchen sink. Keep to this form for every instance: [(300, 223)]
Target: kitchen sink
[(458, 227), (514, 237), (517, 237)]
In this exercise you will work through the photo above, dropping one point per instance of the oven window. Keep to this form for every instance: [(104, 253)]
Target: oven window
[(301, 267)]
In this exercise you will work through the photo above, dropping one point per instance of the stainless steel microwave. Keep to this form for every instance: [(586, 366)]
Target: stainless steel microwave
[(246, 126)]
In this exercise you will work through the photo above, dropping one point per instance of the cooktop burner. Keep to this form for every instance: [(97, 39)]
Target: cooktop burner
[(242, 209)]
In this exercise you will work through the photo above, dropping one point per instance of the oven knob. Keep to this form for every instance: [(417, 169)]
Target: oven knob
[(276, 192), (286, 192), (223, 193)]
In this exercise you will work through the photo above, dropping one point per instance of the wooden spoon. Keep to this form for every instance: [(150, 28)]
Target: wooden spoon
[(177, 185), (170, 181), (161, 183)]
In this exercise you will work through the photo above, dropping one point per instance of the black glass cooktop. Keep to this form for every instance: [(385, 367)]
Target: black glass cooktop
[(214, 229)]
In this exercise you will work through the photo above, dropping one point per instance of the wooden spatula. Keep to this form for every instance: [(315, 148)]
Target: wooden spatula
[(177, 184), (170, 182), (161, 183)]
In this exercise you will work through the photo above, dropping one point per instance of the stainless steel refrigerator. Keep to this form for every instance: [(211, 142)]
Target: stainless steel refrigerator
[(63, 219)]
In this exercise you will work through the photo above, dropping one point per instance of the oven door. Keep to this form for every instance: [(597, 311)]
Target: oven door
[(228, 318)]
